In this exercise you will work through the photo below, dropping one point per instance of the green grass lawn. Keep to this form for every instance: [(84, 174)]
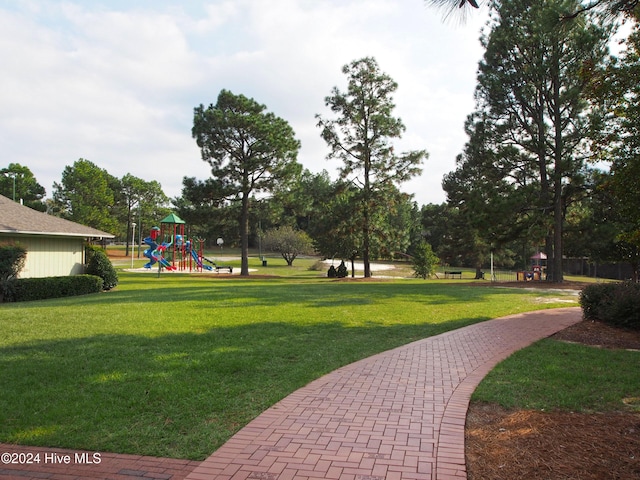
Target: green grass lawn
[(554, 375), (174, 365)]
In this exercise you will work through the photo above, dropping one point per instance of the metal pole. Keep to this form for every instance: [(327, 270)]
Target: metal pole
[(139, 229), (133, 240), (492, 276), (13, 176)]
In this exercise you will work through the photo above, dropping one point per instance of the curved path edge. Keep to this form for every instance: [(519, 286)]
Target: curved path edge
[(396, 415)]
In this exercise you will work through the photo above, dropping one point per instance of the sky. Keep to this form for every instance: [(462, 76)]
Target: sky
[(116, 81)]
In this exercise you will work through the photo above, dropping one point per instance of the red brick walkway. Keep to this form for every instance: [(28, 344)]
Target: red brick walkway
[(397, 415)]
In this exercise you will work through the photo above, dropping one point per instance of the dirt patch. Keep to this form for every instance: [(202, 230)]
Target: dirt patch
[(504, 445), (566, 285), (116, 253)]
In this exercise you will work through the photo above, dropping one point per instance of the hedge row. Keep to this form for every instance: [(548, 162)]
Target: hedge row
[(614, 303), (27, 289)]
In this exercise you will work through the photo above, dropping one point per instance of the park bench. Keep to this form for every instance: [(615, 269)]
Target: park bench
[(450, 274), (223, 267)]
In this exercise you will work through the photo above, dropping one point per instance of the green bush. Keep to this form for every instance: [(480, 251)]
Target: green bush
[(342, 271), (12, 258), (100, 266), (425, 261), (28, 289), (614, 303)]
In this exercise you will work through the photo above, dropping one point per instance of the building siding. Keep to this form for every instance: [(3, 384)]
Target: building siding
[(50, 256)]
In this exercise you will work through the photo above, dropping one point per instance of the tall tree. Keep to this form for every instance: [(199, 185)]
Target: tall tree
[(492, 197), (249, 149), (618, 94), (19, 182), (532, 108), (85, 195), (360, 136)]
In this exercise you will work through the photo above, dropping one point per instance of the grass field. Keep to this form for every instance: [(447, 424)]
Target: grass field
[(554, 375), (173, 365)]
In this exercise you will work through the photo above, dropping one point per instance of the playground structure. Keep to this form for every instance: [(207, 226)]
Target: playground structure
[(170, 248), (538, 269)]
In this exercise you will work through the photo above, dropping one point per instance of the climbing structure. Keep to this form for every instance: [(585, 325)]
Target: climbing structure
[(171, 249), (172, 234)]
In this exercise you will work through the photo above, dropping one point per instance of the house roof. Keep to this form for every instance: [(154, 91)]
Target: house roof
[(18, 219)]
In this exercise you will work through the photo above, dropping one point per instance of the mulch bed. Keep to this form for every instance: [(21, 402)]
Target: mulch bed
[(600, 334), (526, 444), (508, 445)]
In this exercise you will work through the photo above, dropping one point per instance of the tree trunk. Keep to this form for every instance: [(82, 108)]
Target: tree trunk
[(558, 220), (367, 199), (634, 269), (479, 274), (244, 235), (365, 250), (548, 250), (559, 170), (126, 250)]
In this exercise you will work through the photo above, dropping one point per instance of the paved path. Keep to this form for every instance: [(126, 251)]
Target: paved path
[(397, 415)]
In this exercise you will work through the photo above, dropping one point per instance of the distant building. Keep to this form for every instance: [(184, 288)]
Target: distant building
[(55, 247)]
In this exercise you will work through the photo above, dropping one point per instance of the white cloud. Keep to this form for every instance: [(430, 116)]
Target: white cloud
[(117, 84)]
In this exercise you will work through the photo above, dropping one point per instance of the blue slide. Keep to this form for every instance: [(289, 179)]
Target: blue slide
[(199, 262), (153, 253)]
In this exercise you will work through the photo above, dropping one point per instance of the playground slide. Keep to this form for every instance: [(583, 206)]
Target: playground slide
[(199, 261), (155, 258), (152, 258), (163, 261), (154, 255)]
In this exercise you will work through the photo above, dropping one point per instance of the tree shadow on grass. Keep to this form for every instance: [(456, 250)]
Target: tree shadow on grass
[(176, 395), (224, 294)]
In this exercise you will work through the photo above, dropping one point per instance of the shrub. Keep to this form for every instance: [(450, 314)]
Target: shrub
[(425, 261), (592, 297), (100, 266), (28, 289), (614, 303), (12, 258), (332, 272), (342, 271)]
